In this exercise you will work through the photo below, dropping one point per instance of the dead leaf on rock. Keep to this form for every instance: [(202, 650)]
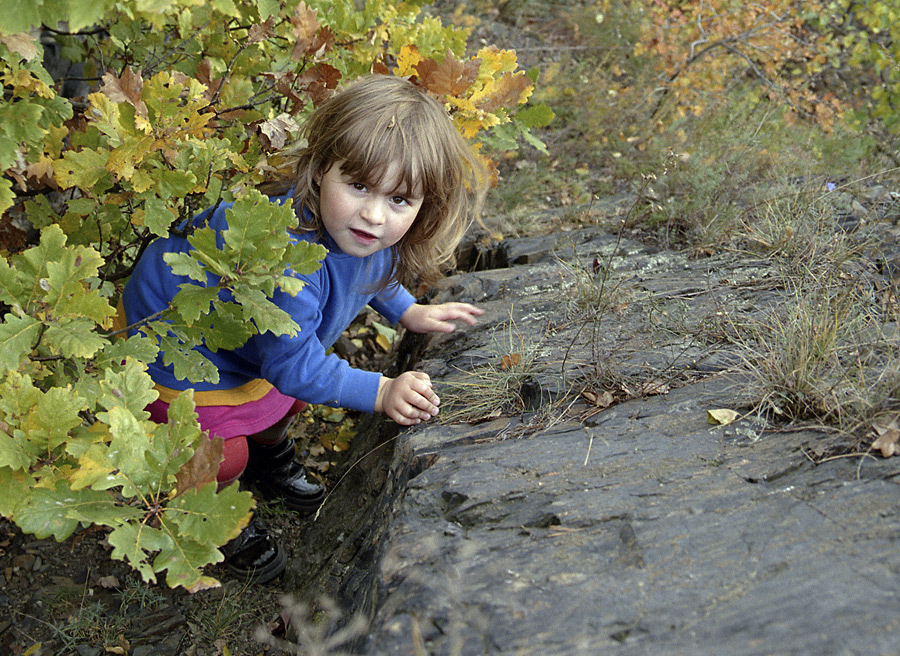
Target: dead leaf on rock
[(109, 582), (721, 416), (886, 442), (602, 399)]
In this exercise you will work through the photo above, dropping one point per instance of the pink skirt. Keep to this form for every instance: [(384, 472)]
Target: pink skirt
[(227, 421)]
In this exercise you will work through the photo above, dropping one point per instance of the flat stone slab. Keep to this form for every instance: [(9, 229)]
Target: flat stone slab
[(639, 528), (650, 532)]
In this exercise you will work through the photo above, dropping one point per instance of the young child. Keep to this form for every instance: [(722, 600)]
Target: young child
[(387, 185)]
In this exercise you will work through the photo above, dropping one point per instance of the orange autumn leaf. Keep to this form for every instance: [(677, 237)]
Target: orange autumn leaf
[(451, 77)]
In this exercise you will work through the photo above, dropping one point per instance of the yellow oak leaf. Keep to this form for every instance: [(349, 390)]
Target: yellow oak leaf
[(507, 91), (407, 60), (496, 61)]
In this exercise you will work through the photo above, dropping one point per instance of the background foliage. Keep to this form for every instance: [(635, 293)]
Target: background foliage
[(121, 119)]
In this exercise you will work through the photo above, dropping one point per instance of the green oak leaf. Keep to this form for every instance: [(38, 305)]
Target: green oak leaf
[(14, 486), (207, 516), (192, 301), (264, 313), (183, 560), (174, 445), (52, 418), (182, 264), (81, 168), (130, 442), (188, 363), (128, 386), (74, 339), (135, 543), (57, 512), (18, 335), (13, 455), (305, 258)]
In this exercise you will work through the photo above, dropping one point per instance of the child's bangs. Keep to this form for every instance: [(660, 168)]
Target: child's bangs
[(372, 149)]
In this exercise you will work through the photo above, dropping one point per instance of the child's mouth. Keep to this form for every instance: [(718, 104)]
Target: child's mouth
[(362, 236)]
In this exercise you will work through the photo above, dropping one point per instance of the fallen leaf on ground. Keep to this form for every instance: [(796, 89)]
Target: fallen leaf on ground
[(602, 399), (721, 416), (887, 439)]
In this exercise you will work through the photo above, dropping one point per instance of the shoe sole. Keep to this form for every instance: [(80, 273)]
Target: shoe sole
[(306, 506), (263, 574)]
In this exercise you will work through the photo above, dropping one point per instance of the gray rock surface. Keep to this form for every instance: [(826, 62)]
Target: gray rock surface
[(564, 528)]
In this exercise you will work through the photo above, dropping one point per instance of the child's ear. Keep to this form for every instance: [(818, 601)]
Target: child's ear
[(322, 170)]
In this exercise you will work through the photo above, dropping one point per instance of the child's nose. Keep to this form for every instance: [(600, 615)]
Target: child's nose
[(374, 211)]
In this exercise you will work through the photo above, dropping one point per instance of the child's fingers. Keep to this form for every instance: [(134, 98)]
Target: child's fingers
[(415, 400), (463, 312)]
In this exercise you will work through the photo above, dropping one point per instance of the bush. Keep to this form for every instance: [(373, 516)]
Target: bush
[(120, 120)]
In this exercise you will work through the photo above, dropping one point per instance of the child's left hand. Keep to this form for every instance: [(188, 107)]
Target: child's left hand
[(439, 318)]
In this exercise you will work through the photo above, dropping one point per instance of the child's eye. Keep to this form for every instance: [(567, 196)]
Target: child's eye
[(399, 200), (359, 186)]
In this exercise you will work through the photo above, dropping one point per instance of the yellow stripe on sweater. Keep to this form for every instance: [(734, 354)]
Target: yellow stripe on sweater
[(252, 391)]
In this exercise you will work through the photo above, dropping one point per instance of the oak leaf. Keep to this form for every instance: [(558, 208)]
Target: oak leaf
[(319, 82), (407, 60), (275, 132), (22, 44), (205, 76), (305, 25), (125, 89), (202, 468), (721, 416), (602, 399), (508, 91), (451, 77), (261, 31)]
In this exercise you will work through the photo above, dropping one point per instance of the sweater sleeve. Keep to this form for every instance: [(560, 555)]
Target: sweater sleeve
[(298, 365), (392, 302)]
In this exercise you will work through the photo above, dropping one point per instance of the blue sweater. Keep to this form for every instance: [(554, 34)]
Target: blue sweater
[(296, 366)]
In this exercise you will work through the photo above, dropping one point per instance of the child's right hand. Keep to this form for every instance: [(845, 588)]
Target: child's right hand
[(408, 399)]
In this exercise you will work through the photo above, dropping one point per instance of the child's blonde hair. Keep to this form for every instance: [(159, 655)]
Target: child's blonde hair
[(381, 120)]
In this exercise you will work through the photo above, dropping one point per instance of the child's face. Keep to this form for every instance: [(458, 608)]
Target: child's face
[(363, 220)]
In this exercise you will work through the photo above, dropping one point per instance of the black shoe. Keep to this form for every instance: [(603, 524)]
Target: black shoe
[(277, 475), (254, 556)]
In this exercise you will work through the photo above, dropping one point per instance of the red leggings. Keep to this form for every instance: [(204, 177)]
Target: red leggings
[(237, 454)]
